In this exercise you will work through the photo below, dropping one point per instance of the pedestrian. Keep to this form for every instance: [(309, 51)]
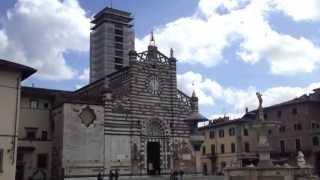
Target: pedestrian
[(116, 174), (110, 175), (171, 175), (175, 175), (99, 177), (181, 174)]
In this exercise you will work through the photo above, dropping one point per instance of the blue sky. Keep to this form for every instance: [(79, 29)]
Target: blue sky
[(229, 48)]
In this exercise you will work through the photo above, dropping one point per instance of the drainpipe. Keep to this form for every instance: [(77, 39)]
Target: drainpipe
[(15, 136)]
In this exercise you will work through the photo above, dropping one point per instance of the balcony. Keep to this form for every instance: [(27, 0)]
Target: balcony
[(211, 156)]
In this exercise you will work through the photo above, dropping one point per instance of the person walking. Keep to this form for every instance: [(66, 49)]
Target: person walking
[(175, 175), (99, 177), (111, 175), (181, 174), (171, 175), (116, 174)]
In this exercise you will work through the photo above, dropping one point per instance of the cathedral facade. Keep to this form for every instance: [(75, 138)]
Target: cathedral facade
[(144, 116), (134, 120), (130, 117)]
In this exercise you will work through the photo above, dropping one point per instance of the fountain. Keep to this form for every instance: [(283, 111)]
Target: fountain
[(262, 126), (266, 170)]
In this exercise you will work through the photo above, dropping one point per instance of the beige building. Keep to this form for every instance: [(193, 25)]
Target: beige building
[(228, 143), (35, 133), (11, 74), (299, 129)]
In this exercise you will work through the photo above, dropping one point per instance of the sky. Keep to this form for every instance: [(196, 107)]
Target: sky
[(227, 50)]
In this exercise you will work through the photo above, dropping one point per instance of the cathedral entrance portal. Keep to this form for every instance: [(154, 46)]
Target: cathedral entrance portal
[(153, 158)]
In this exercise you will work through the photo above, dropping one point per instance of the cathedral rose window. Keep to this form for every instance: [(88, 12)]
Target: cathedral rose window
[(154, 85)]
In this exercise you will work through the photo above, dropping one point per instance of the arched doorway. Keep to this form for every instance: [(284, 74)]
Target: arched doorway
[(153, 158), (155, 144)]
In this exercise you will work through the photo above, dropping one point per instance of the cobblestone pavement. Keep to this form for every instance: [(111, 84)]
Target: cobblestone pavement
[(158, 178)]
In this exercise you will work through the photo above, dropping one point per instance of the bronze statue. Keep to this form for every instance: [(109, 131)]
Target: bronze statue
[(259, 95), (260, 109)]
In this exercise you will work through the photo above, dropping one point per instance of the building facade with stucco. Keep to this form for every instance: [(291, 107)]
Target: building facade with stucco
[(228, 143), (298, 130), (11, 75)]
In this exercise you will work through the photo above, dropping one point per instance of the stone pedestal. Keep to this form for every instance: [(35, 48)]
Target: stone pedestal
[(263, 147), (196, 141), (198, 161)]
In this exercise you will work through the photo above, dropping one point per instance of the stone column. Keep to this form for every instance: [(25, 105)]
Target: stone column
[(263, 147), (198, 161), (196, 141)]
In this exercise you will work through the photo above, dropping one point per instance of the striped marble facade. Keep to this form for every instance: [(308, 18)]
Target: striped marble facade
[(145, 106)]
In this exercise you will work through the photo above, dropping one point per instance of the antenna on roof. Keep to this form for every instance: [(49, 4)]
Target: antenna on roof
[(110, 3), (32, 84)]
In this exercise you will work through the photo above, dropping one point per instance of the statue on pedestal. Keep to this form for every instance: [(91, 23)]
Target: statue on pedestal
[(301, 162), (260, 109)]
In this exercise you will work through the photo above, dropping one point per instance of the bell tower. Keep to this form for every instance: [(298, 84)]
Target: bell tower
[(111, 39)]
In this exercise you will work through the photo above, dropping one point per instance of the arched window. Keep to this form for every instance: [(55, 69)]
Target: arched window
[(315, 141)]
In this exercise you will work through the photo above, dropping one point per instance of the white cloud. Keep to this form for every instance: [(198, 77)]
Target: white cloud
[(38, 32), (286, 55), (300, 10), (206, 89), (193, 40), (209, 7), (85, 75), (210, 91), (202, 37)]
